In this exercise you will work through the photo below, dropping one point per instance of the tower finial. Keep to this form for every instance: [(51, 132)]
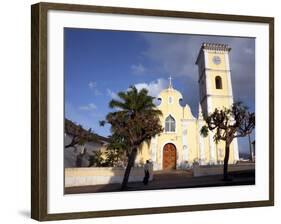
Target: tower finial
[(170, 83), (200, 114)]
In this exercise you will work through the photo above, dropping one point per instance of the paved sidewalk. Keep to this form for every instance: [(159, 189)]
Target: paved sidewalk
[(171, 180)]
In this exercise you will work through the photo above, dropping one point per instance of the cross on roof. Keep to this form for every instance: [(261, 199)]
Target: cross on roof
[(170, 82)]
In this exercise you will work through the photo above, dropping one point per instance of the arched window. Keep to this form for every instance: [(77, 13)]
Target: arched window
[(218, 82), (170, 124)]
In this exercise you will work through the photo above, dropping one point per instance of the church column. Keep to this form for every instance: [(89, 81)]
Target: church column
[(153, 151), (184, 144), (201, 144), (211, 134), (228, 78), (212, 148), (235, 149), (201, 138), (234, 142), (211, 137)]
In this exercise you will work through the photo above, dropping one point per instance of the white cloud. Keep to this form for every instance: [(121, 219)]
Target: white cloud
[(154, 87), (97, 92), (138, 69), (92, 85), (112, 94), (89, 107)]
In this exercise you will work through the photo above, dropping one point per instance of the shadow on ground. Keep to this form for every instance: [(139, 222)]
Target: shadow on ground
[(172, 180)]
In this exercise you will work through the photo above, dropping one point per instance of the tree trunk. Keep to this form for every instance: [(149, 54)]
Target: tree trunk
[(225, 164), (130, 164), (250, 147)]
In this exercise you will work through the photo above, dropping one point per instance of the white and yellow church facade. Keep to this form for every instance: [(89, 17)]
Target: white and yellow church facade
[(180, 145)]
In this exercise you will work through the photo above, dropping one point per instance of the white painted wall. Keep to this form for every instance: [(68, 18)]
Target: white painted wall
[(70, 154), (102, 175), (218, 169), (15, 111)]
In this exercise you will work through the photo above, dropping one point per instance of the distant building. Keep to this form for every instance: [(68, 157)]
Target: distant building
[(181, 144), (87, 149), (254, 150)]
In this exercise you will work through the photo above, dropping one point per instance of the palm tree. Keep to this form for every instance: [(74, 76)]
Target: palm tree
[(136, 119)]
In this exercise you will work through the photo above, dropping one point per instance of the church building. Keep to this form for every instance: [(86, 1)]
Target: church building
[(180, 145)]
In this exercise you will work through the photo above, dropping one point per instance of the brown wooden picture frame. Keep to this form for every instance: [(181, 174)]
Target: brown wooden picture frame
[(39, 105)]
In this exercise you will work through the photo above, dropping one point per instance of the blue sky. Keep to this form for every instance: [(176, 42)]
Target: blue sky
[(100, 63)]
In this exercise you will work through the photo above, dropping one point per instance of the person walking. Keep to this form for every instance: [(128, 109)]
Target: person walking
[(146, 173)]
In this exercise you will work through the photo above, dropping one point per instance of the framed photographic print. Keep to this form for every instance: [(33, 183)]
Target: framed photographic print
[(139, 111)]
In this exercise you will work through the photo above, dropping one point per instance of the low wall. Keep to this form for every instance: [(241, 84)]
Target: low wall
[(218, 169), (85, 176)]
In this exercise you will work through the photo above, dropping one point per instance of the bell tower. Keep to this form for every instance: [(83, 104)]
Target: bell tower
[(215, 88)]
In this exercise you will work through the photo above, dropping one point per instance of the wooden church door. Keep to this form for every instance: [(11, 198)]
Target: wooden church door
[(169, 157)]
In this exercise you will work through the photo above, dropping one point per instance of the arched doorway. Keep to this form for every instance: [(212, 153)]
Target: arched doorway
[(169, 157)]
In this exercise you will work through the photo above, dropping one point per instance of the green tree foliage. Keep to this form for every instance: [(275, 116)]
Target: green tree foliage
[(136, 120), (117, 151), (79, 136), (97, 159), (113, 156), (227, 124)]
